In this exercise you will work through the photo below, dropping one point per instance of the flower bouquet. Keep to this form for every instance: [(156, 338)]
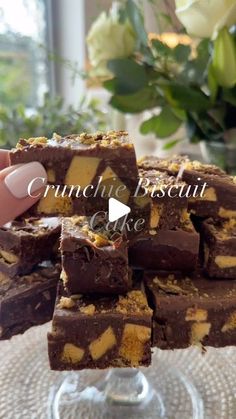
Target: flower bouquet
[(191, 84)]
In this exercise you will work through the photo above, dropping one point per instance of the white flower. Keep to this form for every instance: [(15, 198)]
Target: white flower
[(109, 39), (205, 18)]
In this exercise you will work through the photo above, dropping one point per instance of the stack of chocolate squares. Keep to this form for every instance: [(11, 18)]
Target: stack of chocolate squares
[(102, 317), (123, 291), (28, 273), (199, 308)]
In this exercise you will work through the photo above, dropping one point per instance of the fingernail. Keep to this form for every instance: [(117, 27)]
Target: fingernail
[(17, 182)]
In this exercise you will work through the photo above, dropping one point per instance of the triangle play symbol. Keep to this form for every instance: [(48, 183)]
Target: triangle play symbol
[(116, 209)]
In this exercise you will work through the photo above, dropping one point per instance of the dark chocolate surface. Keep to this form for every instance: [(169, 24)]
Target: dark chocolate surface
[(191, 310), (93, 261), (173, 164), (219, 199), (167, 206), (112, 150), (27, 242), (100, 332), (219, 248), (170, 250), (27, 300)]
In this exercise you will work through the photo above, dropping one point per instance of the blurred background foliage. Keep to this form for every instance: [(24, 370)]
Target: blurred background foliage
[(52, 116), (25, 109), (18, 75)]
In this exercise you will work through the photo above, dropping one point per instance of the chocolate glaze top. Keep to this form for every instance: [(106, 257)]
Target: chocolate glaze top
[(173, 284), (213, 175), (160, 179), (43, 274), (33, 225), (110, 139), (134, 302), (222, 230), (174, 164), (77, 228)]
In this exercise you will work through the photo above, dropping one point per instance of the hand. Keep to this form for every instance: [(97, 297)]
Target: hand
[(14, 181)]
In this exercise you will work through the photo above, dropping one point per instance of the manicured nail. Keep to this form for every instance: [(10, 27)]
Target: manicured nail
[(17, 182)]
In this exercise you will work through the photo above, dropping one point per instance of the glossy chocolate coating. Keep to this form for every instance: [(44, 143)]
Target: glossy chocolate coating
[(221, 201), (191, 310), (28, 300), (25, 243), (93, 262), (170, 250), (219, 248), (114, 149), (100, 332), (167, 206)]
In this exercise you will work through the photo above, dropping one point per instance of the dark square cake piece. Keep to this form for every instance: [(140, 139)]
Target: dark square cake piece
[(27, 300), (102, 159), (100, 332), (27, 242), (170, 250), (93, 261), (191, 310), (219, 248), (219, 196), (168, 205), (81, 158)]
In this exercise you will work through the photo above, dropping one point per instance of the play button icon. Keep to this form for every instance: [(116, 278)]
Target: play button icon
[(116, 209)]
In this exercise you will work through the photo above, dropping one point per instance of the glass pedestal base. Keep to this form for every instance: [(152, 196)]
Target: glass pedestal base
[(127, 393)]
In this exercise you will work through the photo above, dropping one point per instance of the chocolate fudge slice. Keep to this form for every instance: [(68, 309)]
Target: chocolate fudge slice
[(170, 250), (100, 332), (93, 262), (27, 242), (219, 248), (168, 206), (67, 206), (60, 204), (27, 300), (219, 196), (191, 311), (80, 159)]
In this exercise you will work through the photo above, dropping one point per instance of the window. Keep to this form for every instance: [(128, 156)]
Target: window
[(24, 74)]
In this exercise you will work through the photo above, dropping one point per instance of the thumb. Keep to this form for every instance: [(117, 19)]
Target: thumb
[(14, 186)]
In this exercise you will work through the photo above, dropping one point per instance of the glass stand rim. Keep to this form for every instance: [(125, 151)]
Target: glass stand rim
[(118, 393)]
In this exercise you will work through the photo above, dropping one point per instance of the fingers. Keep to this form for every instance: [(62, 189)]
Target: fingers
[(16, 184), (4, 159)]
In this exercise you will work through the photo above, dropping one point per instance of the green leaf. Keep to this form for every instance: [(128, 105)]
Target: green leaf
[(170, 144), (130, 76), (163, 125), (21, 110), (203, 50), (110, 85), (146, 98), (229, 95), (136, 19), (161, 48), (180, 113), (185, 97), (181, 53), (207, 125), (195, 70), (212, 83)]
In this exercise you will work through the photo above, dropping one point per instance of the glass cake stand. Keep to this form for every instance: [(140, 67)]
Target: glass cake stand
[(181, 384), (127, 393)]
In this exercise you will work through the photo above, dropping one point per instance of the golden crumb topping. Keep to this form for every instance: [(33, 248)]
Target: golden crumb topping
[(66, 303), (134, 302)]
